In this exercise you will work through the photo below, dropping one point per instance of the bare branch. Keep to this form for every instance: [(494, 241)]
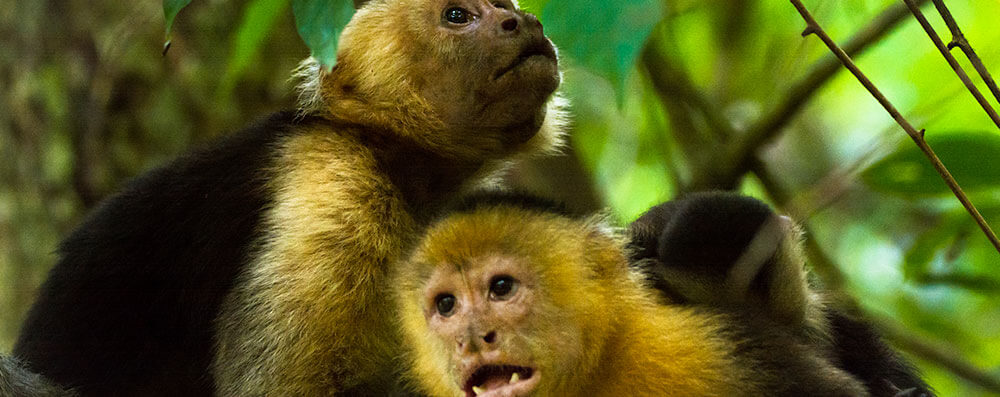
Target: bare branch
[(773, 123), (672, 80), (918, 137), (953, 63), (958, 40)]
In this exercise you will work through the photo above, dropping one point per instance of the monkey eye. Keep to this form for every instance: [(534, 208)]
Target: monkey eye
[(445, 304), (457, 15), (502, 287), (500, 5)]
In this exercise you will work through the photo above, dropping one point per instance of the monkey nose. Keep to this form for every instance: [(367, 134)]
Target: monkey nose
[(509, 24), (490, 337), (532, 21)]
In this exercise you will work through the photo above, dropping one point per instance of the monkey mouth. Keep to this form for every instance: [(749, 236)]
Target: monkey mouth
[(500, 381), (536, 50)]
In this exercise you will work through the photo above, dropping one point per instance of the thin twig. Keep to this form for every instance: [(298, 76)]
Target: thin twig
[(678, 83), (812, 27), (772, 124), (953, 63), (958, 40)]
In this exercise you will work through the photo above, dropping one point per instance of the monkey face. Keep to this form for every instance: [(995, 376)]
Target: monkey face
[(499, 69), (471, 77), (507, 308), (480, 315)]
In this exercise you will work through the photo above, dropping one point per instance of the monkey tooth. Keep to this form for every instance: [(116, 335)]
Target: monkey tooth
[(514, 378), (478, 390)]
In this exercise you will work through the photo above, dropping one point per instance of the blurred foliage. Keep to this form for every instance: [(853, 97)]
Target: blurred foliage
[(663, 95), (908, 173)]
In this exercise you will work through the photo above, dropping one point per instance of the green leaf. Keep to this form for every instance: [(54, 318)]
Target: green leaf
[(930, 242), (258, 19), (971, 282), (170, 10), (319, 23), (972, 158), (603, 36)]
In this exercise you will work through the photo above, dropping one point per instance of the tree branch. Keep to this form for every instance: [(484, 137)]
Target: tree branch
[(812, 27), (673, 80), (953, 63), (773, 123), (678, 95), (677, 82), (958, 40)]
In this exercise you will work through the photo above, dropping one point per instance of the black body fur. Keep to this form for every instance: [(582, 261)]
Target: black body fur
[(861, 351), (704, 234), (128, 309), (16, 381)]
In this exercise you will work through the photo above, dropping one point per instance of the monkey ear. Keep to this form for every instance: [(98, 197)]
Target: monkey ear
[(338, 83)]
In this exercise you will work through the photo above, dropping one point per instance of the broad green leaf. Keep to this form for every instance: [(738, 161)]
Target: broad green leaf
[(258, 19), (170, 10), (972, 158), (319, 24), (603, 36), (970, 282), (935, 239)]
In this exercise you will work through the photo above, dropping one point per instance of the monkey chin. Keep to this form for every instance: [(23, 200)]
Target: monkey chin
[(493, 379), (520, 87), (537, 60)]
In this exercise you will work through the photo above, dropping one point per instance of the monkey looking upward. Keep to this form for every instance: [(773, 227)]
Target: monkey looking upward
[(259, 265), (507, 295)]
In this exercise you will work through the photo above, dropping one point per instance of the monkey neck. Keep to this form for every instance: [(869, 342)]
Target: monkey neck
[(424, 178), (666, 350)]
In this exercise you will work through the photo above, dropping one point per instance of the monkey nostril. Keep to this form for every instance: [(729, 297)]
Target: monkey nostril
[(509, 24), (490, 337)]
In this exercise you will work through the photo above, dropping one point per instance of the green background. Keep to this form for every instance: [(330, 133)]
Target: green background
[(664, 93)]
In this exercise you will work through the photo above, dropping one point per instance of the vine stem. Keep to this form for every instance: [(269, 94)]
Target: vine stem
[(958, 40), (953, 62), (812, 27)]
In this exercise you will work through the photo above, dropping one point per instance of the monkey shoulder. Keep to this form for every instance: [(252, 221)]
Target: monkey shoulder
[(139, 283)]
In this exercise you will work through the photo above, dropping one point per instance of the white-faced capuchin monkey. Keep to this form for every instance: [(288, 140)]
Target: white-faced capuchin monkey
[(507, 296), (733, 253), (259, 266)]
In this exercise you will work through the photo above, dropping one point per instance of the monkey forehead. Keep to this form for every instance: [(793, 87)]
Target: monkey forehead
[(389, 29), (499, 229), (385, 38), (546, 238), (472, 275)]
